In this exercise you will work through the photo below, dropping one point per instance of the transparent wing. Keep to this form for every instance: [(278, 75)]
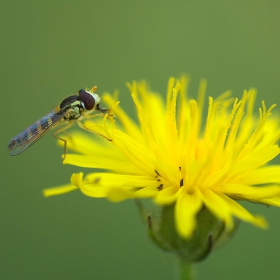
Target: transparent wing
[(33, 133)]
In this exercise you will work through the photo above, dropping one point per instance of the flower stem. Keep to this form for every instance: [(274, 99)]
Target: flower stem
[(185, 270)]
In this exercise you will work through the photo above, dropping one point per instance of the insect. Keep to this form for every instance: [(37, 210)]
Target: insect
[(72, 108)]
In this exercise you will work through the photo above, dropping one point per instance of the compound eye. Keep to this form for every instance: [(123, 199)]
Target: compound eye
[(87, 99)]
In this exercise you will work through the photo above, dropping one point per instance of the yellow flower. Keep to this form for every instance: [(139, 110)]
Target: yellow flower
[(174, 156)]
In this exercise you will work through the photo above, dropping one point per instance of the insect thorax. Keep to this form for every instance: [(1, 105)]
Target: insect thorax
[(73, 112)]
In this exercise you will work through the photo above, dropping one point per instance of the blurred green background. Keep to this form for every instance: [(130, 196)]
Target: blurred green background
[(51, 49)]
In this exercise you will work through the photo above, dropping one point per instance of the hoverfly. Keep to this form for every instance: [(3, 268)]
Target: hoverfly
[(71, 109)]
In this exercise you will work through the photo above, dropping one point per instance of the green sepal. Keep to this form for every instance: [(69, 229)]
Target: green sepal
[(209, 233)]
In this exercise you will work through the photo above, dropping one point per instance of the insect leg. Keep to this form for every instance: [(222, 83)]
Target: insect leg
[(81, 125), (102, 112), (89, 116), (70, 123)]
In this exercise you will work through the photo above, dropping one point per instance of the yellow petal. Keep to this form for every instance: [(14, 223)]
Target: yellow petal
[(135, 152), (263, 175), (218, 206), (114, 180), (147, 192), (94, 190), (275, 201), (119, 194), (114, 164), (128, 124), (117, 187), (167, 195), (59, 190), (256, 159), (186, 209), (241, 213), (250, 193), (89, 144)]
